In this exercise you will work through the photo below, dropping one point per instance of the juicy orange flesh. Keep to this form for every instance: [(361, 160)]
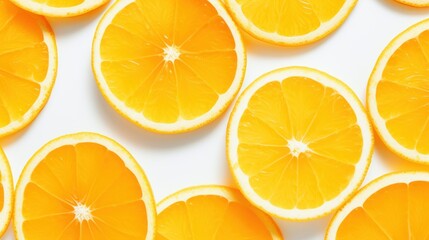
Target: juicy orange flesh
[(303, 110), (1, 196), (403, 94), (398, 211), (23, 62), (60, 3), (87, 174), (133, 64), (209, 217), (289, 17)]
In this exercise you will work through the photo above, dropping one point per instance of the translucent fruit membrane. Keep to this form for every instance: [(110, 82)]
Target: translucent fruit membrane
[(209, 217), (398, 211), (403, 94), (298, 143), (290, 17), (168, 60), (24, 62), (75, 180)]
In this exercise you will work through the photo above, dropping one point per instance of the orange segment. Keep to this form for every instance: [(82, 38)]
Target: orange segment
[(28, 62), (290, 22), (212, 212), (391, 207), (415, 3), (172, 73), (398, 94), (299, 143), (6, 193), (83, 185)]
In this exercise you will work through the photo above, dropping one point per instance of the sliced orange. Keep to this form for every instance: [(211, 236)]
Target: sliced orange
[(415, 3), (6, 193), (59, 8), (398, 94), (298, 143), (212, 212), (28, 66), (168, 65), (83, 186), (394, 206), (290, 22)]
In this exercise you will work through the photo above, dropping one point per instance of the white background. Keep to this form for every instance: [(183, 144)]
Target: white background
[(175, 162)]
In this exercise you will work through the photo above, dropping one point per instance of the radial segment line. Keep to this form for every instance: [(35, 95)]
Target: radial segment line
[(114, 227), (198, 76), (197, 30)]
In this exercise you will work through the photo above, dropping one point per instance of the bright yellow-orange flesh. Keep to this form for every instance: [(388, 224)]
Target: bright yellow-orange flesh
[(168, 59), (398, 211), (60, 3), (290, 17), (209, 217), (92, 177), (299, 143), (23, 62), (403, 94)]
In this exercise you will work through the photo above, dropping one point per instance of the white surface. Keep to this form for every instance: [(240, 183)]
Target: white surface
[(174, 162)]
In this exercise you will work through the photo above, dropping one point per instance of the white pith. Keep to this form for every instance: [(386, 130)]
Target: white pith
[(360, 167)]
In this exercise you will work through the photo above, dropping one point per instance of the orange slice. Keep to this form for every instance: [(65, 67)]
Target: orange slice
[(212, 212), (83, 186), (298, 143), (59, 8), (6, 193), (415, 3), (28, 66), (398, 94), (290, 22), (394, 206), (168, 65)]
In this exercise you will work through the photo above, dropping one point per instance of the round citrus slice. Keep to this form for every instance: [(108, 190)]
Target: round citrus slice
[(394, 206), (6, 193), (83, 186), (59, 8), (398, 94), (28, 66), (298, 143), (212, 212), (415, 3), (290, 22), (171, 65)]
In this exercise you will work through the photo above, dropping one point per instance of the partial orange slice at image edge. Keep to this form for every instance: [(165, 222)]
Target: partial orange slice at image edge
[(83, 186), (290, 22), (6, 193), (398, 94), (28, 66), (212, 212), (59, 8), (393, 206)]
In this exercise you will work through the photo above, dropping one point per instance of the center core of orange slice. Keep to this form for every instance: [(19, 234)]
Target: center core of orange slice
[(297, 147), (171, 53), (82, 212)]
